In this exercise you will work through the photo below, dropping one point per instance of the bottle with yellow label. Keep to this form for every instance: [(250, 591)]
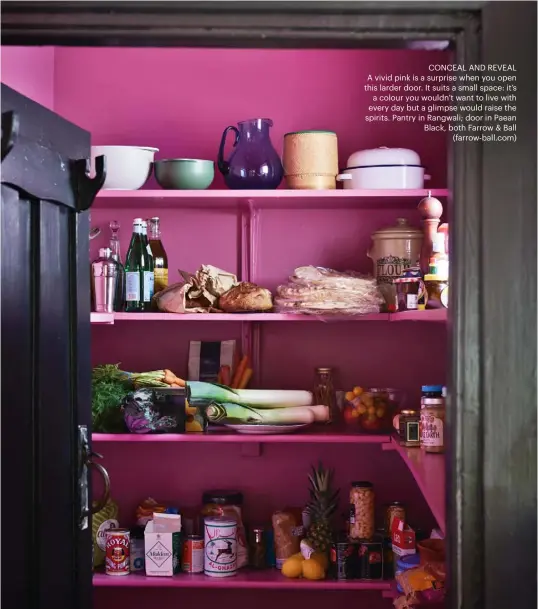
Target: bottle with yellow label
[(160, 258)]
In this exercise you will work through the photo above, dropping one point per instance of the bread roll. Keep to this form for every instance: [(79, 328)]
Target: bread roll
[(246, 297)]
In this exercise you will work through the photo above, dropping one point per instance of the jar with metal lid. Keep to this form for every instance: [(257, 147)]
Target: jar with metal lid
[(361, 510), (409, 428), (324, 393), (431, 391), (432, 423)]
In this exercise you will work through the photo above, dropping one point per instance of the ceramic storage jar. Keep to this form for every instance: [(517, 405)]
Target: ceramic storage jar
[(310, 160), (394, 249)]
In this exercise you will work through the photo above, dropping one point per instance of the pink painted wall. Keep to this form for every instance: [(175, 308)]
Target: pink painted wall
[(180, 100), (30, 71)]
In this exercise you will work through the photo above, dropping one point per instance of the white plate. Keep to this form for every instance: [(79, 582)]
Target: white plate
[(267, 429)]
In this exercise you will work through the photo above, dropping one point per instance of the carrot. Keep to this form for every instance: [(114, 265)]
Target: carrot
[(180, 382), (243, 365), (175, 385), (245, 379), (225, 375), (235, 364), (219, 377), (169, 377)]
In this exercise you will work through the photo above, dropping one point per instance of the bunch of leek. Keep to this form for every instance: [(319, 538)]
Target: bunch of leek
[(254, 406)]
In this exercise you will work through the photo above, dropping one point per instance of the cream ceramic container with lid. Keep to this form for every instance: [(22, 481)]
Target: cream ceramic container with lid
[(394, 249), (384, 168)]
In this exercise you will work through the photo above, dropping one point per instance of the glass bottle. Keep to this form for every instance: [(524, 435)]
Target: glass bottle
[(160, 259), (119, 299), (257, 549), (149, 272), (324, 391), (136, 265)]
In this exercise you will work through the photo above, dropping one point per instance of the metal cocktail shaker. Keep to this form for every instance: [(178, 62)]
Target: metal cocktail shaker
[(104, 278)]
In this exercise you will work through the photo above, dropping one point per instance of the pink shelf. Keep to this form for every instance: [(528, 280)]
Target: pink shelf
[(261, 580), (109, 318), (429, 471), (319, 435), (268, 199), (433, 315)]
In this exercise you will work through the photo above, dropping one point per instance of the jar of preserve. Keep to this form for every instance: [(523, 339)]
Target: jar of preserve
[(409, 428), (432, 423), (361, 511)]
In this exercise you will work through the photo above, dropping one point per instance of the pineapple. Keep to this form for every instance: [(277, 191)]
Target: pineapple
[(321, 507)]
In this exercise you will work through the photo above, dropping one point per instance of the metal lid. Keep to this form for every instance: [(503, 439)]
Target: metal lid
[(409, 412), (362, 484), (407, 280), (432, 388), (223, 497), (324, 370)]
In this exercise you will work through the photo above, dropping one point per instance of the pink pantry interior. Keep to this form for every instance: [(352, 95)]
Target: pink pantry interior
[(180, 100)]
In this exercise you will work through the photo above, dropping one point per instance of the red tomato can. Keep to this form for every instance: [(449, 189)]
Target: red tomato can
[(192, 560), (117, 549)]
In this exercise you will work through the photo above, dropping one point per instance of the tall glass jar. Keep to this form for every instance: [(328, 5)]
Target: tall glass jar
[(361, 511), (324, 393)]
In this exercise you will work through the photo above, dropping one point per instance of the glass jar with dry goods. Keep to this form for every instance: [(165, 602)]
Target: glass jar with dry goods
[(361, 510), (396, 509), (324, 393)]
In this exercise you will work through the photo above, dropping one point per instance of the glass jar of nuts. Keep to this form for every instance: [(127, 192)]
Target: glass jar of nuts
[(361, 511)]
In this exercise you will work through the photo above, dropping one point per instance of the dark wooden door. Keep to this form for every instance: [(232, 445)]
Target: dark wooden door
[(45, 323)]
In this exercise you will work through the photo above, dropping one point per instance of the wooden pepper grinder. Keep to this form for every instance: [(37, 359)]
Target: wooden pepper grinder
[(431, 210)]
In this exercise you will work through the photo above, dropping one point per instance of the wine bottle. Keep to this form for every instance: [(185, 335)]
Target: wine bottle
[(148, 277), (135, 263), (160, 259)]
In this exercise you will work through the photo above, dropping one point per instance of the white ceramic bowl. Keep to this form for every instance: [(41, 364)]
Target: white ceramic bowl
[(127, 167)]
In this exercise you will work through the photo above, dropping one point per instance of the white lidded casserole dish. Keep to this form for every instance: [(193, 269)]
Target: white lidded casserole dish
[(383, 168), (127, 167)]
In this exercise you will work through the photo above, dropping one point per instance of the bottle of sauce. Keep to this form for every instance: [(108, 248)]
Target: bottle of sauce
[(160, 259)]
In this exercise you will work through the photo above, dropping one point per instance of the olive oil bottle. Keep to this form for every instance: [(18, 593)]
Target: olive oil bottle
[(160, 259)]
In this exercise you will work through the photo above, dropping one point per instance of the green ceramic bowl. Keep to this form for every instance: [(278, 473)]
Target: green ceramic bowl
[(184, 174)]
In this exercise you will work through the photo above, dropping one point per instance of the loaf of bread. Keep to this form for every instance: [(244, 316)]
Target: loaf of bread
[(246, 297)]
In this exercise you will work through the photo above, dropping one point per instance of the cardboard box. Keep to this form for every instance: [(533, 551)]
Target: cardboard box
[(162, 548), (403, 538)]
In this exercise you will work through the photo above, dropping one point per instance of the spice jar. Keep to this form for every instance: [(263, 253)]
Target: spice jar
[(409, 428), (324, 393), (361, 510), (432, 423), (257, 549)]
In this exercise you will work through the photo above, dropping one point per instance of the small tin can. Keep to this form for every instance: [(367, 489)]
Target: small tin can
[(344, 560), (137, 557), (220, 547), (371, 559), (117, 549), (192, 560), (396, 509)]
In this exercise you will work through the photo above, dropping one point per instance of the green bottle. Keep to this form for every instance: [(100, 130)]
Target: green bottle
[(138, 272), (149, 269)]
